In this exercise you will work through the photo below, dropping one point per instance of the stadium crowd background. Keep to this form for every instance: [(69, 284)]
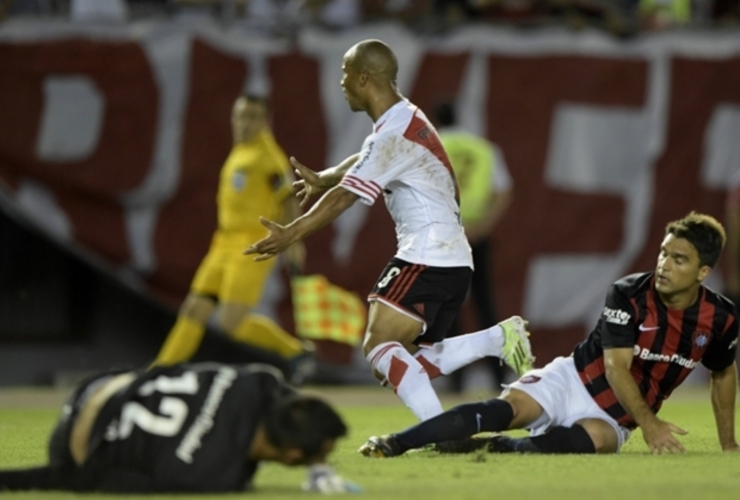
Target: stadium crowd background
[(68, 293), (623, 18)]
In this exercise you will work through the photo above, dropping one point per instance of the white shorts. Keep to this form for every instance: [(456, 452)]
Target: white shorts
[(559, 391)]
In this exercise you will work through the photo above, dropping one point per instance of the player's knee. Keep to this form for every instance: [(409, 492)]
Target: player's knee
[(197, 307), (526, 409), (230, 316), (602, 434)]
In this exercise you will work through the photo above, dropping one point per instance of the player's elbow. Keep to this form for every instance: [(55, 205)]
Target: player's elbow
[(615, 370)]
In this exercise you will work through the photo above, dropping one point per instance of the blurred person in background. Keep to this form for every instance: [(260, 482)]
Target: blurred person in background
[(419, 293), (255, 181), (655, 328), (659, 15), (192, 428), (485, 193)]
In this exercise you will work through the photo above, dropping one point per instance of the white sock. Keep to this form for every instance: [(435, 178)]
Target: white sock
[(443, 358), (408, 378)]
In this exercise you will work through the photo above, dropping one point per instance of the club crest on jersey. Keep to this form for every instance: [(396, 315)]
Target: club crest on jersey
[(701, 339), (529, 379), (239, 180), (423, 133), (615, 316)]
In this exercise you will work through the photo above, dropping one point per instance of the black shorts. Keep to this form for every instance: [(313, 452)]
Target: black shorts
[(433, 295)]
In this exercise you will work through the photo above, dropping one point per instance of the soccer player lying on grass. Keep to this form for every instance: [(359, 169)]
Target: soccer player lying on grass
[(654, 330), (184, 428)]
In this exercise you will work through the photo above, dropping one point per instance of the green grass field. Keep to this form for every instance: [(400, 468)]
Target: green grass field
[(704, 472)]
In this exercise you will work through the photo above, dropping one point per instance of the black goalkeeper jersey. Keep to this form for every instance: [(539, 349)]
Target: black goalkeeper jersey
[(185, 428), (668, 344)]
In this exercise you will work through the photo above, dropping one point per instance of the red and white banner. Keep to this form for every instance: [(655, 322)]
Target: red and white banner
[(111, 139)]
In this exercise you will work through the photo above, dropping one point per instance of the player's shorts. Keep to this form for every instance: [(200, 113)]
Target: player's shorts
[(228, 274), (430, 295), (559, 391)]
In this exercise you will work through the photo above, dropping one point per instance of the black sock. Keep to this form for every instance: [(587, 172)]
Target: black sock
[(558, 440), (458, 423)]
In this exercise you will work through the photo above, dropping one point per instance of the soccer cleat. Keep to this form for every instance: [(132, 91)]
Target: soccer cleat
[(381, 447), (516, 352), (467, 445), (501, 444)]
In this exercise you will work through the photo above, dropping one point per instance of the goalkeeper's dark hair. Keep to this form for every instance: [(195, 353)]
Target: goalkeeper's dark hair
[(303, 422), (704, 232)]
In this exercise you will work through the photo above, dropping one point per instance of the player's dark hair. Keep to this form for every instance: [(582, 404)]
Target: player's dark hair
[(444, 112), (262, 100), (303, 422), (704, 232)]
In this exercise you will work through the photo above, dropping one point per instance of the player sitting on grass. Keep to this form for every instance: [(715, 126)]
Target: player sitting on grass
[(654, 330), (185, 428)]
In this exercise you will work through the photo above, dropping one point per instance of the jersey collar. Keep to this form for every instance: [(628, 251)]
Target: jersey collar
[(388, 112)]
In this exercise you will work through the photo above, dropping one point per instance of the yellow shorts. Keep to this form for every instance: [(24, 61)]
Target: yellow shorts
[(228, 274)]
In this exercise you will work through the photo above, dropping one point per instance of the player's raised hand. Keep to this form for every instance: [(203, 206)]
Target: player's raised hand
[(276, 241), (309, 182), (659, 436)]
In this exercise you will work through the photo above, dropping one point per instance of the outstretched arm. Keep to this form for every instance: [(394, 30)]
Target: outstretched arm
[(724, 387), (334, 174), (657, 433), (328, 208), (295, 255), (311, 183)]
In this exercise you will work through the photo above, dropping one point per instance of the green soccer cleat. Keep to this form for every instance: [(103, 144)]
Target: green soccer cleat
[(516, 352), (380, 447)]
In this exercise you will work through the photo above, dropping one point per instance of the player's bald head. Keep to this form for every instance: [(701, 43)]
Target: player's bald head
[(373, 57)]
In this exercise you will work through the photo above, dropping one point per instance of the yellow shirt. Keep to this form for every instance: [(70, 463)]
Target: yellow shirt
[(474, 164), (255, 180)]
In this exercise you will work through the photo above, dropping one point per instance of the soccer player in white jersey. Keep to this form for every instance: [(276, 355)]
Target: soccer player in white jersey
[(418, 294)]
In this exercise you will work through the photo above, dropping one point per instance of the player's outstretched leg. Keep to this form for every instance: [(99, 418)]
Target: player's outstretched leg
[(507, 340), (458, 423), (559, 439)]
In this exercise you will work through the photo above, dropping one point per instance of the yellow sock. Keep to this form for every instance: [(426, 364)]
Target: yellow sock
[(263, 332), (182, 341)]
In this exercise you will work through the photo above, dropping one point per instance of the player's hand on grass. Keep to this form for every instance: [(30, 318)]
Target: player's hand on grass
[(309, 182), (278, 239), (323, 479), (659, 436)]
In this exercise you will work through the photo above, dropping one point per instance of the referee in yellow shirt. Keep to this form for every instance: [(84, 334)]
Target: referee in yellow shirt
[(256, 180)]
